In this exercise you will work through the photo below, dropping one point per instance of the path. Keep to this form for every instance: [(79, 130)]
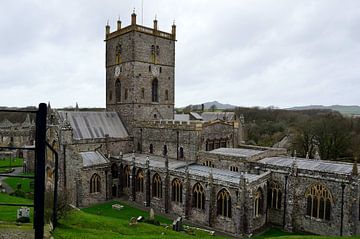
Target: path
[(8, 189)]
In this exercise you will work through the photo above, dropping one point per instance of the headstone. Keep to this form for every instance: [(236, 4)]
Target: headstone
[(18, 186), (23, 215), (177, 224), (117, 206), (140, 218), (133, 221), (151, 214)]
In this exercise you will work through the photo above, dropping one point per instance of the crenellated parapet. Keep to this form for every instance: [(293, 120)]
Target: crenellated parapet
[(139, 28)]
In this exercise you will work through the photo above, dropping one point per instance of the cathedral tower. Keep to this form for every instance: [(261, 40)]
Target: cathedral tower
[(140, 72)]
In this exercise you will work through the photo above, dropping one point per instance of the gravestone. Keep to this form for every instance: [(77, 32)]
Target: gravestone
[(140, 218), (177, 224), (23, 215), (151, 214), (133, 221)]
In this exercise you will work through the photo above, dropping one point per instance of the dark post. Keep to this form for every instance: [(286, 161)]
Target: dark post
[(40, 171), (342, 209)]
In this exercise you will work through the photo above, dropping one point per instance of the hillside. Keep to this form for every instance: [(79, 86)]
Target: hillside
[(343, 109)]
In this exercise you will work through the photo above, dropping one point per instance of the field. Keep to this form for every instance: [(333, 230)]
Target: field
[(8, 213), (25, 183), (11, 162), (101, 221)]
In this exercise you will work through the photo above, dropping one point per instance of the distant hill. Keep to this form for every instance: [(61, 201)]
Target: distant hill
[(207, 105), (343, 109)]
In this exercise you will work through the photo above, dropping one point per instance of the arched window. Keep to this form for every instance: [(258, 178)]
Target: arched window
[(114, 190), (181, 152), (154, 91), (208, 163), (258, 203), (139, 187), (151, 148), (118, 90), (114, 170), (157, 186), (198, 196), (95, 183), (127, 180), (274, 196), (224, 203), (165, 151), (176, 195), (319, 200), (234, 168)]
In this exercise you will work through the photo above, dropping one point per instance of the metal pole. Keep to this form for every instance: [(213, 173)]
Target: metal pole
[(40, 171), (342, 209)]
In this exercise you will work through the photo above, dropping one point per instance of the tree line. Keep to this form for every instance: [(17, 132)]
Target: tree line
[(311, 133)]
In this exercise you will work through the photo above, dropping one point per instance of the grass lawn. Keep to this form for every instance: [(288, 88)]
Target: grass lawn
[(13, 162), (126, 212), (25, 182), (8, 213), (101, 221)]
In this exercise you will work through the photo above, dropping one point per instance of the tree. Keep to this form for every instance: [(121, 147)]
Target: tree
[(213, 108)]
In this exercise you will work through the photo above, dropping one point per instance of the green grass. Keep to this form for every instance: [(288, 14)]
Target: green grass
[(127, 212), (13, 162), (25, 182), (101, 221), (8, 213)]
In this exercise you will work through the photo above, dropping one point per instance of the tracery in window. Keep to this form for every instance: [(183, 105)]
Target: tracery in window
[(176, 190), (319, 200), (224, 203)]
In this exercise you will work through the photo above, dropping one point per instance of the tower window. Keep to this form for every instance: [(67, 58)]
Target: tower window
[(154, 88), (118, 90), (160, 70), (181, 152), (149, 68), (142, 93), (157, 50), (118, 52), (110, 95), (152, 49), (166, 95), (126, 94)]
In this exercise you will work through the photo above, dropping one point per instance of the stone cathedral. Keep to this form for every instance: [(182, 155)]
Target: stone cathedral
[(190, 165)]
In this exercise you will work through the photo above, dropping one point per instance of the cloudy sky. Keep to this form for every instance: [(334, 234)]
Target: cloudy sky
[(244, 52)]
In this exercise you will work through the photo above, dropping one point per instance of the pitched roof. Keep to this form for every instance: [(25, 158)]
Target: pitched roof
[(310, 164), (93, 158), (94, 125), (210, 116)]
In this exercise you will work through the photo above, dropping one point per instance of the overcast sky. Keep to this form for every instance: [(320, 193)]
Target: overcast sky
[(243, 52)]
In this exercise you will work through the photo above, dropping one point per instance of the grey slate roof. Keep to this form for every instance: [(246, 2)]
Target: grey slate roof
[(195, 116), (237, 152), (309, 164), (219, 174), (92, 158), (94, 125), (181, 117), (194, 169), (211, 116)]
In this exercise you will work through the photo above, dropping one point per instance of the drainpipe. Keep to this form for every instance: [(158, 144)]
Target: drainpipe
[(342, 208), (285, 194)]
